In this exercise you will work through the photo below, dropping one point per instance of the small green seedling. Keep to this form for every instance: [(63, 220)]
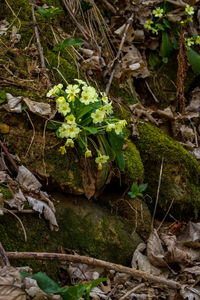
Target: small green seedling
[(48, 13), (136, 191)]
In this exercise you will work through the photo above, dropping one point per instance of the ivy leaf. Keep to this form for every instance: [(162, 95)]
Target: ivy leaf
[(68, 43), (194, 60), (117, 141), (44, 282), (166, 47)]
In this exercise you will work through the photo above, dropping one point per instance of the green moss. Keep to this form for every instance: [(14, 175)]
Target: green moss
[(180, 176), (6, 192), (123, 93), (134, 166)]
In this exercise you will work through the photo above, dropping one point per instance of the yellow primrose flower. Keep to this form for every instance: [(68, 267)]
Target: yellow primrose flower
[(98, 116), (119, 126), (62, 150), (108, 108), (70, 119), (60, 100), (72, 131), (148, 24), (110, 127), (70, 97), (64, 108), (88, 95), (104, 97), (69, 143), (189, 10), (189, 41), (154, 30), (197, 40), (56, 89), (72, 89), (88, 153), (81, 82), (102, 159), (158, 12), (63, 131)]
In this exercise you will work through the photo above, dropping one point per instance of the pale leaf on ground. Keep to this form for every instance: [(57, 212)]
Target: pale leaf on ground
[(27, 180), (40, 108), (155, 251), (14, 103)]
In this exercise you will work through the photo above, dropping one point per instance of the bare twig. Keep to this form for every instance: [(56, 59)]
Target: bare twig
[(110, 6), (94, 262), (9, 156), (12, 213), (40, 49), (3, 258), (33, 136), (165, 214), (115, 62), (132, 291), (150, 90), (158, 192)]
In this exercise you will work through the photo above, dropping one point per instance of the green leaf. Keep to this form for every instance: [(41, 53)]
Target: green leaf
[(165, 60), (44, 282), (117, 141), (24, 106), (2, 96), (92, 130), (143, 187), (91, 285), (68, 43), (108, 149), (166, 47), (49, 12), (132, 195), (166, 23), (194, 60), (53, 125), (73, 292), (160, 27), (134, 188)]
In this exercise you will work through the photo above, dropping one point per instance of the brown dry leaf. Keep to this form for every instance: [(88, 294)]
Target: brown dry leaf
[(132, 64), (27, 180), (14, 37), (3, 27), (187, 133), (193, 270), (142, 263), (191, 233), (174, 254), (155, 251), (39, 108), (14, 103), (4, 129), (17, 201), (43, 208), (10, 284)]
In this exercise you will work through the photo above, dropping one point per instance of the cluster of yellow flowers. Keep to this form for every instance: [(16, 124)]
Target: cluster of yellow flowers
[(85, 113), (159, 13), (195, 40)]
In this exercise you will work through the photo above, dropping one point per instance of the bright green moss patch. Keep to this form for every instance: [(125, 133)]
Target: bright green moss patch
[(134, 166), (6, 192)]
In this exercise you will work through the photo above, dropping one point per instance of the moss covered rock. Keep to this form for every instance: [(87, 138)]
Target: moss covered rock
[(181, 172), (84, 227)]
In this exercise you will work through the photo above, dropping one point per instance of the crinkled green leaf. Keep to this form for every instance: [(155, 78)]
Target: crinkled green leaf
[(166, 47), (44, 282), (68, 43), (117, 141), (194, 60), (48, 13)]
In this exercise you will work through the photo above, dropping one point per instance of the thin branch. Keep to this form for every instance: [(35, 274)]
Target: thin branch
[(94, 262), (40, 49), (139, 286), (158, 192), (129, 22)]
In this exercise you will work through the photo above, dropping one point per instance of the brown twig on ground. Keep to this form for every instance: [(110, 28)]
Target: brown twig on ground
[(94, 262), (9, 156), (110, 6), (115, 62), (139, 286), (3, 258), (40, 49), (181, 73)]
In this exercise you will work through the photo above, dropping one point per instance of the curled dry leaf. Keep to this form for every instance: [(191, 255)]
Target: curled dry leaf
[(10, 284), (27, 180), (17, 201), (155, 251), (43, 208), (3, 27), (174, 254), (142, 263), (14, 103), (39, 108)]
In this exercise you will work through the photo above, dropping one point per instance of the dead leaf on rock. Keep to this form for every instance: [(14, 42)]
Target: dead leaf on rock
[(27, 180), (43, 208), (10, 284), (155, 251)]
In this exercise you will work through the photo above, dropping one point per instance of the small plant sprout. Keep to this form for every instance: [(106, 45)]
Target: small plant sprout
[(88, 121), (136, 191)]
